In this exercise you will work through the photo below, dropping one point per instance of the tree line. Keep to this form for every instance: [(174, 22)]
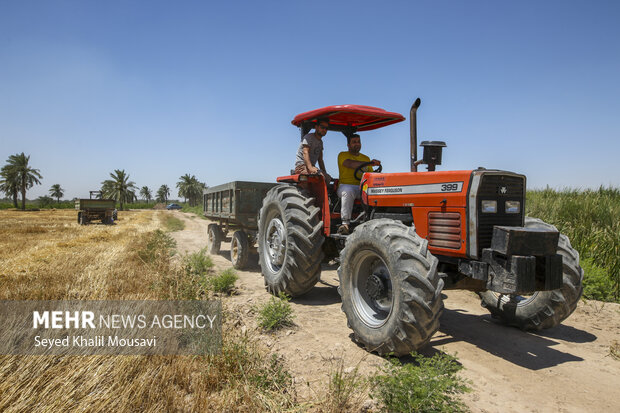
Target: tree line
[(17, 176)]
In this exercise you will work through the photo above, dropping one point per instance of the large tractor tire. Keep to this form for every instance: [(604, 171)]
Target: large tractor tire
[(290, 238), (239, 250), (543, 309), (214, 239), (390, 288)]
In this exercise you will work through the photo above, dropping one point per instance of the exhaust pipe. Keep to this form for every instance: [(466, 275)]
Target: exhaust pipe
[(413, 133)]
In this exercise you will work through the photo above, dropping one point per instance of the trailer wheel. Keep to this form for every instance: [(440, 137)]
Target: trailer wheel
[(214, 239), (543, 309), (239, 250), (83, 219), (289, 241), (390, 288)]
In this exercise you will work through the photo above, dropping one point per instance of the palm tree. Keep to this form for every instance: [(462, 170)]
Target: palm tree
[(199, 188), (9, 183), (57, 192), (119, 188), (184, 186), (145, 193), (190, 188), (163, 193), (24, 176)]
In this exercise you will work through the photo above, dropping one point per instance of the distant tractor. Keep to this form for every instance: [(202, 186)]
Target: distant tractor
[(415, 234), (96, 209)]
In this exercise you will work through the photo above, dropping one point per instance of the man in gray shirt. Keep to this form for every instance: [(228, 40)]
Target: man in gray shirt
[(311, 150)]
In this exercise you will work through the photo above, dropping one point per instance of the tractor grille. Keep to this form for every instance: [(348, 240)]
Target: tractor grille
[(444, 229), (500, 188)]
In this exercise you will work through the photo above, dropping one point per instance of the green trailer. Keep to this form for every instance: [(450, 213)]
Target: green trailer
[(234, 206), (95, 209)]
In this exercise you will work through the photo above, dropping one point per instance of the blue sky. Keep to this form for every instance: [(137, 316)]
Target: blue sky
[(162, 88)]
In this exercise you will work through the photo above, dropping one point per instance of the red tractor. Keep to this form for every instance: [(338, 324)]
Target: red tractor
[(414, 234)]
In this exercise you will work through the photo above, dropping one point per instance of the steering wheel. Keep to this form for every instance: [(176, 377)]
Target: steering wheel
[(359, 172)]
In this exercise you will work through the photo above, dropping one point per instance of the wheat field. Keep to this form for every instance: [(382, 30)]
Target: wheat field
[(46, 255)]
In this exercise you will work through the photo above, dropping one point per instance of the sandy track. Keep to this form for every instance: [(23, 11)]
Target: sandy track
[(564, 369)]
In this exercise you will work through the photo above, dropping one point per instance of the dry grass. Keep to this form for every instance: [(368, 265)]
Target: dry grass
[(614, 350), (46, 255), (347, 390)]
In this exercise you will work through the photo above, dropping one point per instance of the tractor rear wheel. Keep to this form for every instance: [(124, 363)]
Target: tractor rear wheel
[(239, 250), (214, 239), (390, 288), (290, 240), (543, 309)]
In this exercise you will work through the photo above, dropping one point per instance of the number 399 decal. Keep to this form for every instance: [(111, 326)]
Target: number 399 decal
[(417, 189), (450, 187)]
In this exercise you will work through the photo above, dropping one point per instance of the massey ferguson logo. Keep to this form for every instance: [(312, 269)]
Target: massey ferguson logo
[(502, 190)]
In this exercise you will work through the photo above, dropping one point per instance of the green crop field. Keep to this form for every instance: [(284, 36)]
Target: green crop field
[(591, 219)]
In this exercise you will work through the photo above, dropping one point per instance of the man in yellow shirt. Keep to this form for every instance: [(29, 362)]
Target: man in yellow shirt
[(349, 186)]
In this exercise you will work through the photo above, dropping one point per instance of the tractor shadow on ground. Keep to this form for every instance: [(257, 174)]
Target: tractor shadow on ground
[(322, 294), (566, 333), (528, 350), (325, 292)]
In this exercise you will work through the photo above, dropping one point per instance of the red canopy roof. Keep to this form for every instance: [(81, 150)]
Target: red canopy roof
[(357, 117)]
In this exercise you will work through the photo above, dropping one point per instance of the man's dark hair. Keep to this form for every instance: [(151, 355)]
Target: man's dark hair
[(321, 120), (349, 137)]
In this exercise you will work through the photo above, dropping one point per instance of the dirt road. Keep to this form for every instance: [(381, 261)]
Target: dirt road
[(564, 369)]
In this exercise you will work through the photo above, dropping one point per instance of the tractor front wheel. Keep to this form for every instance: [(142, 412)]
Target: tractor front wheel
[(390, 288), (290, 240), (543, 309)]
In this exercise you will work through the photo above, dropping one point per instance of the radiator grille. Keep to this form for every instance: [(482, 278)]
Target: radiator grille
[(444, 230), (501, 188)]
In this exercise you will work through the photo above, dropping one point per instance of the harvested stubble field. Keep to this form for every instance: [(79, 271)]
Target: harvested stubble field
[(46, 255)]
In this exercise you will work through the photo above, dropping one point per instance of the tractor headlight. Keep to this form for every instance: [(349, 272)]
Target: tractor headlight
[(489, 207), (513, 207)]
